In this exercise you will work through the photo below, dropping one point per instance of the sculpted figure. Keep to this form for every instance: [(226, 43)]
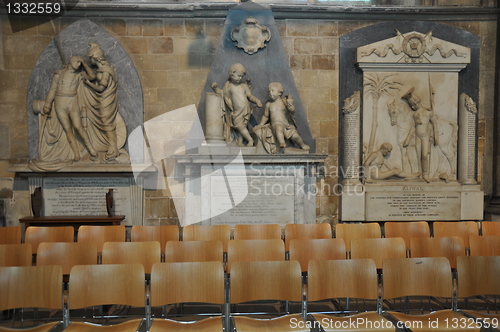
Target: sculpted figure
[(275, 123), (237, 96), (377, 160)]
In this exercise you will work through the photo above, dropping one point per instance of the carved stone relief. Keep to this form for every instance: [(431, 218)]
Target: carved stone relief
[(250, 35)]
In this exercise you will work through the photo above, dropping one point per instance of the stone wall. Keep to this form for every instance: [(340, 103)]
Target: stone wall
[(173, 55)]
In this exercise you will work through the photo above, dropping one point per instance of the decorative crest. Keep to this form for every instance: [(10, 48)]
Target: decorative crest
[(250, 35)]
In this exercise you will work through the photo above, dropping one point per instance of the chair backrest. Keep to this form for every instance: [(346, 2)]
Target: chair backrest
[(486, 245), (66, 254), (428, 276), (145, 253), (194, 251), (187, 282), (93, 285), (271, 280), (378, 249), (101, 234), (38, 234), (490, 227), (162, 234), (207, 233), (450, 247), (478, 275), (463, 229), (348, 278), (407, 230), (10, 235), (306, 231), (257, 232), (15, 254), (305, 250), (31, 286), (255, 250), (357, 231)]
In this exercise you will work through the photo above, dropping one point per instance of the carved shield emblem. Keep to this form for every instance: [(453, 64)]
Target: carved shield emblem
[(250, 35)]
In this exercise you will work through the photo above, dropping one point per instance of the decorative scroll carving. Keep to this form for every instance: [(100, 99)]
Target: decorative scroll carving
[(250, 35)]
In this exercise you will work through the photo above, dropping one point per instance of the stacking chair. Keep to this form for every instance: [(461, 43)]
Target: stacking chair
[(31, 287), (259, 281), (101, 234), (162, 234), (66, 254), (378, 249), (257, 232), (38, 234), (423, 278), (305, 250), (357, 231), (96, 285), (407, 230), (463, 229), (10, 235), (188, 282), (486, 245), (306, 231), (450, 247), (207, 233), (254, 250), (15, 254), (145, 253), (346, 280), (490, 228), (194, 251)]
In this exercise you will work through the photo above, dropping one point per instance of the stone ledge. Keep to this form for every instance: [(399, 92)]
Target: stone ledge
[(23, 169)]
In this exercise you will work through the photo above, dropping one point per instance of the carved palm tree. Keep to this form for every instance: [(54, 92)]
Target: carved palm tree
[(377, 86)]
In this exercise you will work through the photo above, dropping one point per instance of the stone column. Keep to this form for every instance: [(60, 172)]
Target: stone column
[(214, 129), (467, 140), (351, 121)]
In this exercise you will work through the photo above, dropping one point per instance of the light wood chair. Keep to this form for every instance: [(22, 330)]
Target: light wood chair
[(101, 234), (207, 233), (10, 235), (486, 245), (94, 285), (188, 282), (306, 231), (283, 282), (254, 250), (162, 234), (490, 227), (257, 232), (145, 253), (450, 247), (38, 234), (463, 229), (31, 287), (420, 277), (66, 254), (194, 251), (305, 250), (407, 230), (15, 254), (346, 279), (378, 249), (357, 231)]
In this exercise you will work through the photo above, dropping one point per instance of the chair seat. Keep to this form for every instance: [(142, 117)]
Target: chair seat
[(363, 322), (40, 328), (212, 324), (288, 323), (128, 326), (442, 320)]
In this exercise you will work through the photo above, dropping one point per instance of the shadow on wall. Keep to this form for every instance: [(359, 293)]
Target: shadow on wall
[(200, 48)]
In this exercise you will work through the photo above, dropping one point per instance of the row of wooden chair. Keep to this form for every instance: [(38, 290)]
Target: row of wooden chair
[(204, 282)]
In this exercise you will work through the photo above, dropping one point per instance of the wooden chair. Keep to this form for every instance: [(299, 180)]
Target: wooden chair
[(254, 250), (162, 234), (207, 233), (282, 282), (420, 277), (450, 247), (407, 230), (10, 235), (38, 234), (305, 250), (31, 287), (486, 245), (463, 229), (306, 231), (101, 234), (378, 249), (357, 231), (345, 279), (145, 253), (66, 254), (94, 285), (194, 251), (188, 282), (15, 254), (257, 232), (488, 228)]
